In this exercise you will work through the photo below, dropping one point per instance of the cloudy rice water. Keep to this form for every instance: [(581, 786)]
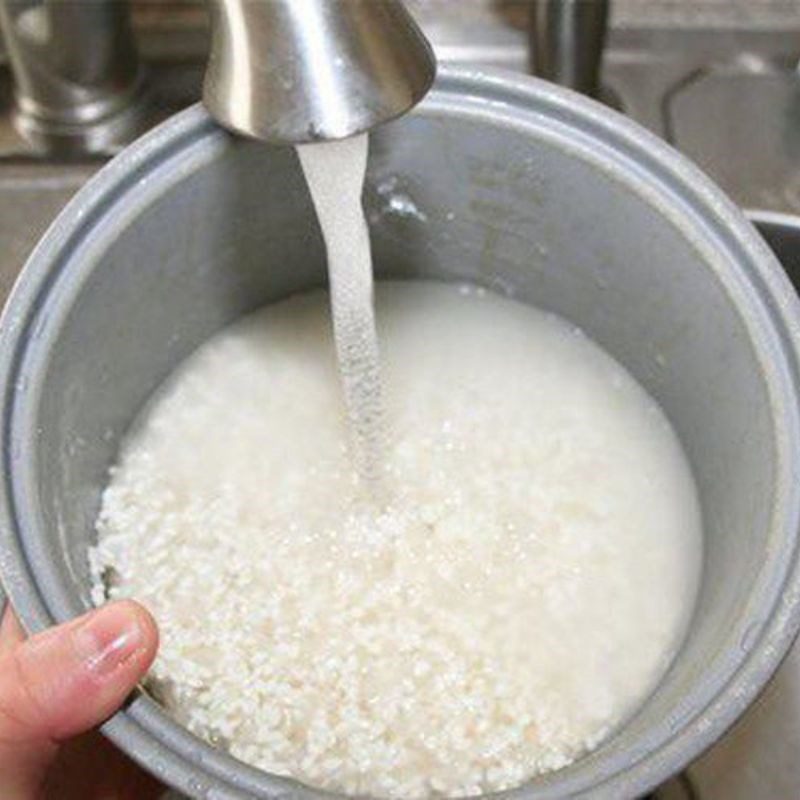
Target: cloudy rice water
[(521, 593)]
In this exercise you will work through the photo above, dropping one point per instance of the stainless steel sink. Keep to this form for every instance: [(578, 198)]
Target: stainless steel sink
[(717, 78)]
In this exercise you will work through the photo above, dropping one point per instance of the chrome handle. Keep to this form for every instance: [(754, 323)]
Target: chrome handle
[(567, 41)]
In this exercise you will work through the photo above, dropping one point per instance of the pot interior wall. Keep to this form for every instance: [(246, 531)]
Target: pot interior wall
[(450, 200)]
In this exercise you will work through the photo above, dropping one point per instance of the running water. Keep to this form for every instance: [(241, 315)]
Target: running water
[(335, 173)]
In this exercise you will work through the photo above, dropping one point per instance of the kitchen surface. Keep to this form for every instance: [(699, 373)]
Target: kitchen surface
[(718, 79)]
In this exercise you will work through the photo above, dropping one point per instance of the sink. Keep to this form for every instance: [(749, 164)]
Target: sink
[(717, 79)]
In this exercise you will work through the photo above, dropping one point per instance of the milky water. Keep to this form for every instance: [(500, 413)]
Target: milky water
[(520, 595), (335, 173)]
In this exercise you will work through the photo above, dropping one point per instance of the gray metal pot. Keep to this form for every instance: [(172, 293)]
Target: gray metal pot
[(495, 179)]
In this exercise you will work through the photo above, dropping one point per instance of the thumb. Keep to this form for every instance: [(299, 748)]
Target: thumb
[(63, 682)]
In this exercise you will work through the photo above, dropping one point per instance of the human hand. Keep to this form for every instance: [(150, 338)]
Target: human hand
[(55, 688)]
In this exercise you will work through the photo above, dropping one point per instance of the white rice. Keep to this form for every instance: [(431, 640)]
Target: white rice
[(522, 595)]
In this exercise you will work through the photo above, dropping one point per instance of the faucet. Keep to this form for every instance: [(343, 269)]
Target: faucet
[(291, 71), (283, 71)]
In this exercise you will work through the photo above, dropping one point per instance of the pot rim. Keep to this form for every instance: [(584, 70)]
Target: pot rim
[(750, 273)]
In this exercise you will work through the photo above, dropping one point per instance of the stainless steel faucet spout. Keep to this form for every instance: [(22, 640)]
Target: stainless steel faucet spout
[(291, 71)]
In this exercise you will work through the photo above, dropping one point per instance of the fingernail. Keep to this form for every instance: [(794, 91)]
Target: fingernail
[(108, 638)]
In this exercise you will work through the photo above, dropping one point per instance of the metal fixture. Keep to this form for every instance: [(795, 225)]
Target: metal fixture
[(567, 41), (288, 71), (78, 83)]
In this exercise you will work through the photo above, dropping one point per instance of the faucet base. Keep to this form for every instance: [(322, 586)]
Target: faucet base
[(98, 131), (167, 86)]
